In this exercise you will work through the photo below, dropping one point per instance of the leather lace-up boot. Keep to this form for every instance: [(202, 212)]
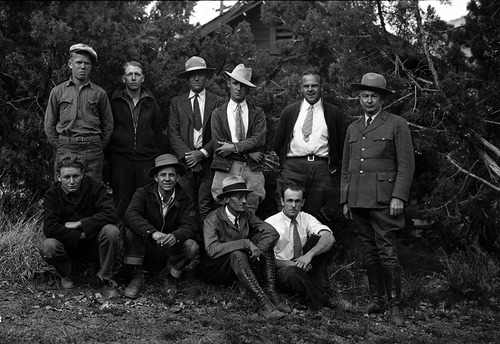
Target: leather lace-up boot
[(268, 267)]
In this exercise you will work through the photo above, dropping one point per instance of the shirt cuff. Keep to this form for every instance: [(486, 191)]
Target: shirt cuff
[(204, 152)]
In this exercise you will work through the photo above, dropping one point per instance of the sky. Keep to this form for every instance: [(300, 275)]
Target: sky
[(205, 11)]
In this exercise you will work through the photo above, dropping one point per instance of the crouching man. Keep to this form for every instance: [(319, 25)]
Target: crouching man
[(160, 225), (237, 242), (80, 223)]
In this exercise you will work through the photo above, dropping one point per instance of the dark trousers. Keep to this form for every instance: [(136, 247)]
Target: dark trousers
[(147, 253), (102, 248), (378, 230), (311, 285), (314, 176), (199, 186), (90, 149), (126, 175)]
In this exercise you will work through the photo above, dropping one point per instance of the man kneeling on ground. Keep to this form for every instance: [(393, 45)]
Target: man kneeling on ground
[(160, 225), (237, 242), (80, 223)]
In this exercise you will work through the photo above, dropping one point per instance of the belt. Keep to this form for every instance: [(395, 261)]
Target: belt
[(310, 157), (73, 139)]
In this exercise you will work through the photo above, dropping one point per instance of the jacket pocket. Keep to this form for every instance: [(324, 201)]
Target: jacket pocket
[(384, 144), (385, 186)]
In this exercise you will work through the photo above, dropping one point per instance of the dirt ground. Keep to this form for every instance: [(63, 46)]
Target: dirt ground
[(41, 312)]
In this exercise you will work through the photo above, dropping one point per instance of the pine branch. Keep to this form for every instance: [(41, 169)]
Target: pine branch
[(453, 162)]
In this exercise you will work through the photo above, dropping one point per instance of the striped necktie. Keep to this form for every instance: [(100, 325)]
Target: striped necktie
[(240, 127), (308, 124)]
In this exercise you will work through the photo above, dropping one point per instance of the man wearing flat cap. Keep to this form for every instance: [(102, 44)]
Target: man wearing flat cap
[(78, 118), (237, 243), (377, 171), (190, 133), (239, 136), (160, 224)]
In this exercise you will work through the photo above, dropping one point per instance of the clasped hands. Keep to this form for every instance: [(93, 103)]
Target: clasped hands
[(163, 239), (303, 262), (227, 148)]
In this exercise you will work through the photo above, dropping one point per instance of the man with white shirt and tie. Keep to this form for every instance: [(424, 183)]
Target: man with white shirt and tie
[(302, 251), (190, 134), (308, 140), (377, 171), (239, 133)]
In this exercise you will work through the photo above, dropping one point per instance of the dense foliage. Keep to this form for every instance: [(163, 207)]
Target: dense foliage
[(449, 98)]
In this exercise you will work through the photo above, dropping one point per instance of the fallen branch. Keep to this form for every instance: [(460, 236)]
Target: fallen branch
[(453, 162)]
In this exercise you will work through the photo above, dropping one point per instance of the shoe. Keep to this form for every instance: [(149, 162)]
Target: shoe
[(108, 290), (67, 283), (171, 285), (339, 303), (136, 284)]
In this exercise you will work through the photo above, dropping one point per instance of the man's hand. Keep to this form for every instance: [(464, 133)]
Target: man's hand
[(193, 158), (304, 262), (347, 212), (73, 225), (163, 239), (83, 236), (257, 156), (254, 251), (396, 207), (225, 149)]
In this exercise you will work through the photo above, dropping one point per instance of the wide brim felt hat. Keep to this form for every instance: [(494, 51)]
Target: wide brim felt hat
[(241, 74), (373, 82), (195, 64), (80, 47), (232, 185), (167, 160)]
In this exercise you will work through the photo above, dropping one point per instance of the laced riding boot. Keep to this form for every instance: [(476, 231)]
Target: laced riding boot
[(136, 284), (247, 278), (392, 277), (268, 268), (377, 291)]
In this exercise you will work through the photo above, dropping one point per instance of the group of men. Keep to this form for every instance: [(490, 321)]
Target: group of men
[(201, 197)]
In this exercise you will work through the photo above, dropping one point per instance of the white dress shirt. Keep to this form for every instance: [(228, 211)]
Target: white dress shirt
[(198, 134), (231, 117)]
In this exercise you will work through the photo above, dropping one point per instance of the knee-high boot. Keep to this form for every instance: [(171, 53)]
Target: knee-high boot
[(268, 267), (246, 277), (377, 290), (392, 278)]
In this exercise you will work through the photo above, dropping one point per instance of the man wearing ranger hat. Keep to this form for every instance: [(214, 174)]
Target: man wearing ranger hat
[(160, 225), (239, 135), (190, 133), (236, 243), (78, 118), (377, 170)]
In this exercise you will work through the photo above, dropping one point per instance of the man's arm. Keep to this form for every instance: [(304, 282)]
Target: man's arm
[(215, 248), (187, 227), (324, 243), (51, 118), (105, 211), (107, 121), (257, 138), (179, 147), (135, 216)]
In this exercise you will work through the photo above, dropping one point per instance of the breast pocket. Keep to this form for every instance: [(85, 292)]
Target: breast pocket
[(384, 144), (353, 140), (93, 111), (66, 111)]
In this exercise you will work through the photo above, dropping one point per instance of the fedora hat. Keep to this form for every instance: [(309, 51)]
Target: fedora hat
[(242, 74), (166, 160), (195, 63), (83, 47), (233, 184), (373, 82)]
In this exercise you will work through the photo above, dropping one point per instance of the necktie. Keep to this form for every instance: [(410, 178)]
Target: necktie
[(297, 245), (196, 113), (240, 127), (236, 222), (368, 121), (308, 124)]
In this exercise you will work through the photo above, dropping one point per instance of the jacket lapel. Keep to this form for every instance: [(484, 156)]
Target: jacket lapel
[(207, 112), (186, 106), (377, 122)]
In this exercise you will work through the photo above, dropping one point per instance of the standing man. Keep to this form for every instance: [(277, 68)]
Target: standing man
[(236, 243), (377, 171), (308, 141), (78, 118), (239, 133), (79, 223), (160, 224), (190, 133), (302, 250), (137, 135)]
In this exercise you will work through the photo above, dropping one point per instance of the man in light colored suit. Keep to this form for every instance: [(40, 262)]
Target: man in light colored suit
[(239, 133), (190, 133), (308, 141), (377, 170)]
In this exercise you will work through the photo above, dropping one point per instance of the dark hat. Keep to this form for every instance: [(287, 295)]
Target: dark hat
[(242, 74), (194, 64), (166, 160), (83, 47), (373, 82), (231, 185)]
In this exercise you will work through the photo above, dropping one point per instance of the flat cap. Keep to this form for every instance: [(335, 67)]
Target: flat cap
[(83, 47)]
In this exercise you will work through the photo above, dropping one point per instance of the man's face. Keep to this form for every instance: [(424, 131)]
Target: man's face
[(370, 101), (311, 88), (236, 202), (133, 78), (237, 90), (70, 178), (80, 66), (166, 178), (197, 81), (292, 202)]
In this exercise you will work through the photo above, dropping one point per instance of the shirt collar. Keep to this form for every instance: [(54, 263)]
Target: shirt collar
[(71, 82), (373, 116), (288, 220), (316, 106), (201, 95), (169, 201), (230, 216), (232, 105)]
